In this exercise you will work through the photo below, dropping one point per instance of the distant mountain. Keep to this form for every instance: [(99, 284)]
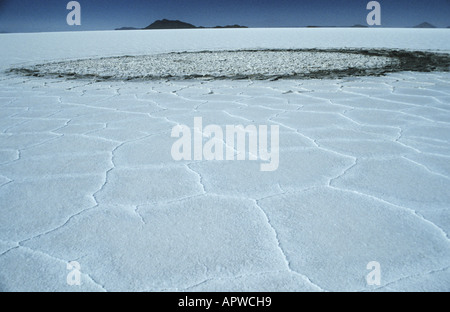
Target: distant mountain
[(231, 26), (354, 26), (425, 25), (127, 28), (168, 24), (314, 26)]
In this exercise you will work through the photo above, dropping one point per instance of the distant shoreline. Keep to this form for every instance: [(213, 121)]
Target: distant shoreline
[(212, 28), (177, 24)]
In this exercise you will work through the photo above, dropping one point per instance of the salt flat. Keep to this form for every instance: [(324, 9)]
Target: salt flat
[(86, 172)]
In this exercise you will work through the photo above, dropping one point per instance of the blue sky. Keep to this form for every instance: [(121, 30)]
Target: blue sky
[(50, 15)]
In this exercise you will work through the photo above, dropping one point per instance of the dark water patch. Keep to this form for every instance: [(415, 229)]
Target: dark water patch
[(269, 64)]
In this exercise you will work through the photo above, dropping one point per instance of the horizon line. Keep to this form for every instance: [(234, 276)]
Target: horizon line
[(227, 28)]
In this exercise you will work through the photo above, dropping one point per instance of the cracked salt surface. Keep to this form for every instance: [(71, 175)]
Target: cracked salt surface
[(86, 175)]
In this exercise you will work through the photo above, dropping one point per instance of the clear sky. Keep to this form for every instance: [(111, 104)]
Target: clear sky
[(50, 15)]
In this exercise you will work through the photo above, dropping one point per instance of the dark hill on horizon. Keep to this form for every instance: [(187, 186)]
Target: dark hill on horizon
[(127, 28), (230, 26), (425, 25), (175, 24), (168, 24)]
